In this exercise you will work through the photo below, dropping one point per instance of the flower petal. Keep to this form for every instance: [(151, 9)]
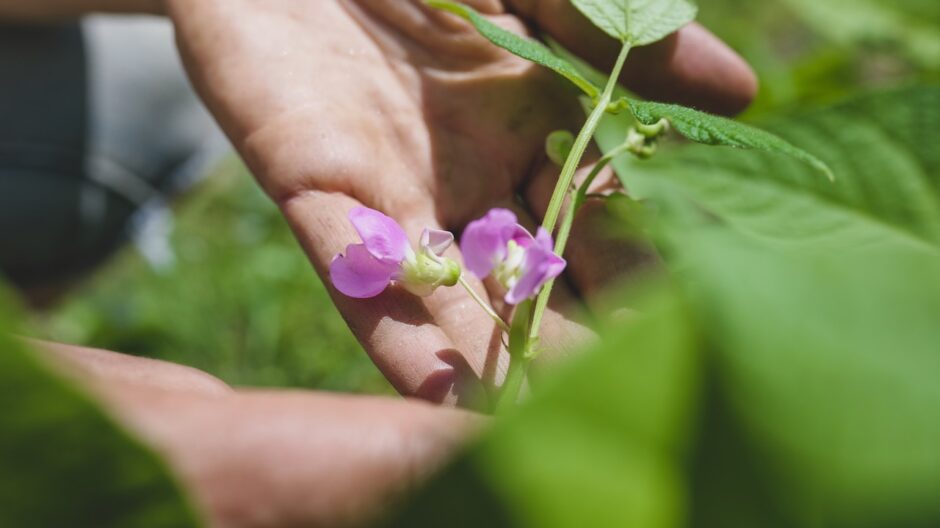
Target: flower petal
[(380, 234), (544, 240), (483, 243), (540, 266), (359, 274), (436, 241)]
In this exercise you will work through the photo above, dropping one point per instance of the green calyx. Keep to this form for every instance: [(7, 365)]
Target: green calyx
[(558, 145), (424, 272)]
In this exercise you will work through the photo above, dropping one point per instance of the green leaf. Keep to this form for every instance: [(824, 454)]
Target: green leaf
[(600, 445), (638, 22), (714, 130), (825, 383), (63, 462), (882, 146), (518, 45), (558, 145)]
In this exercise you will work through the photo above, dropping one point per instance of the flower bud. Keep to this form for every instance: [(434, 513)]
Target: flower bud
[(558, 145)]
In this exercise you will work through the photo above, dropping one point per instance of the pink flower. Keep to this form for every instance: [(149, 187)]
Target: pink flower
[(496, 244), (385, 255)]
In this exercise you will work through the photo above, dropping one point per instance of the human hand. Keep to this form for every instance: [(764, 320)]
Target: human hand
[(269, 458), (406, 110)]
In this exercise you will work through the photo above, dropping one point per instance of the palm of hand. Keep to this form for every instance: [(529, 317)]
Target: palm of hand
[(396, 107), (402, 109)]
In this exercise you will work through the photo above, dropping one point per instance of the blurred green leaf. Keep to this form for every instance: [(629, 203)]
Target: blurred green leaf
[(827, 366), (600, 445), (638, 22), (882, 146), (63, 462), (912, 24), (813, 373), (819, 410), (518, 45)]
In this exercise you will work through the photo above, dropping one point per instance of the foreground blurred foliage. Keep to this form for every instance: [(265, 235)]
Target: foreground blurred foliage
[(65, 463), (784, 374), (821, 51)]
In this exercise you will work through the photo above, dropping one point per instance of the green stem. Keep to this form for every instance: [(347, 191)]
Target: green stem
[(580, 196), (564, 182), (519, 342), (485, 305), (581, 143), (509, 393), (564, 231)]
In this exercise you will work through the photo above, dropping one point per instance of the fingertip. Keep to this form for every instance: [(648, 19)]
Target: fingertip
[(695, 68), (691, 67)]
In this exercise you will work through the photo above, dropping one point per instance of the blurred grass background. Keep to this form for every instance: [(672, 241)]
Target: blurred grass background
[(242, 303)]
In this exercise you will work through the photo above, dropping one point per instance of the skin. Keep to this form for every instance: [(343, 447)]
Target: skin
[(405, 109), (255, 458), (335, 103), (412, 113)]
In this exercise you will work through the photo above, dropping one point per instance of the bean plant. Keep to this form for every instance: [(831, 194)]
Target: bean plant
[(526, 265)]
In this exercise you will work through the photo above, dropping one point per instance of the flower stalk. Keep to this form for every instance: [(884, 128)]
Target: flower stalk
[(581, 143), (565, 180), (519, 342), (496, 246), (483, 304), (520, 356)]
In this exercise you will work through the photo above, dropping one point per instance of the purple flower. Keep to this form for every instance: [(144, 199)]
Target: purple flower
[(385, 255), (496, 244)]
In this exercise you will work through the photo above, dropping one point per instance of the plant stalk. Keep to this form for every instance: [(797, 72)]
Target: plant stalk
[(579, 196), (581, 143), (519, 341), (564, 182), (515, 376), (485, 305)]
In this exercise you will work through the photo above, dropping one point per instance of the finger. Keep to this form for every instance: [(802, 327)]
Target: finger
[(475, 335), (397, 329), (100, 367), (437, 32), (265, 458), (690, 67), (597, 253), (477, 338)]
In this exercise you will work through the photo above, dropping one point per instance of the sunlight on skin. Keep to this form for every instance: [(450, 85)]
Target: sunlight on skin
[(252, 457), (405, 110), (409, 104)]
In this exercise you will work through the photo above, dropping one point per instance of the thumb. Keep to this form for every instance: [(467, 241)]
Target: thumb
[(690, 67)]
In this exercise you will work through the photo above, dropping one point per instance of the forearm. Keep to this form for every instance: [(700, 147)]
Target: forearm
[(43, 10)]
